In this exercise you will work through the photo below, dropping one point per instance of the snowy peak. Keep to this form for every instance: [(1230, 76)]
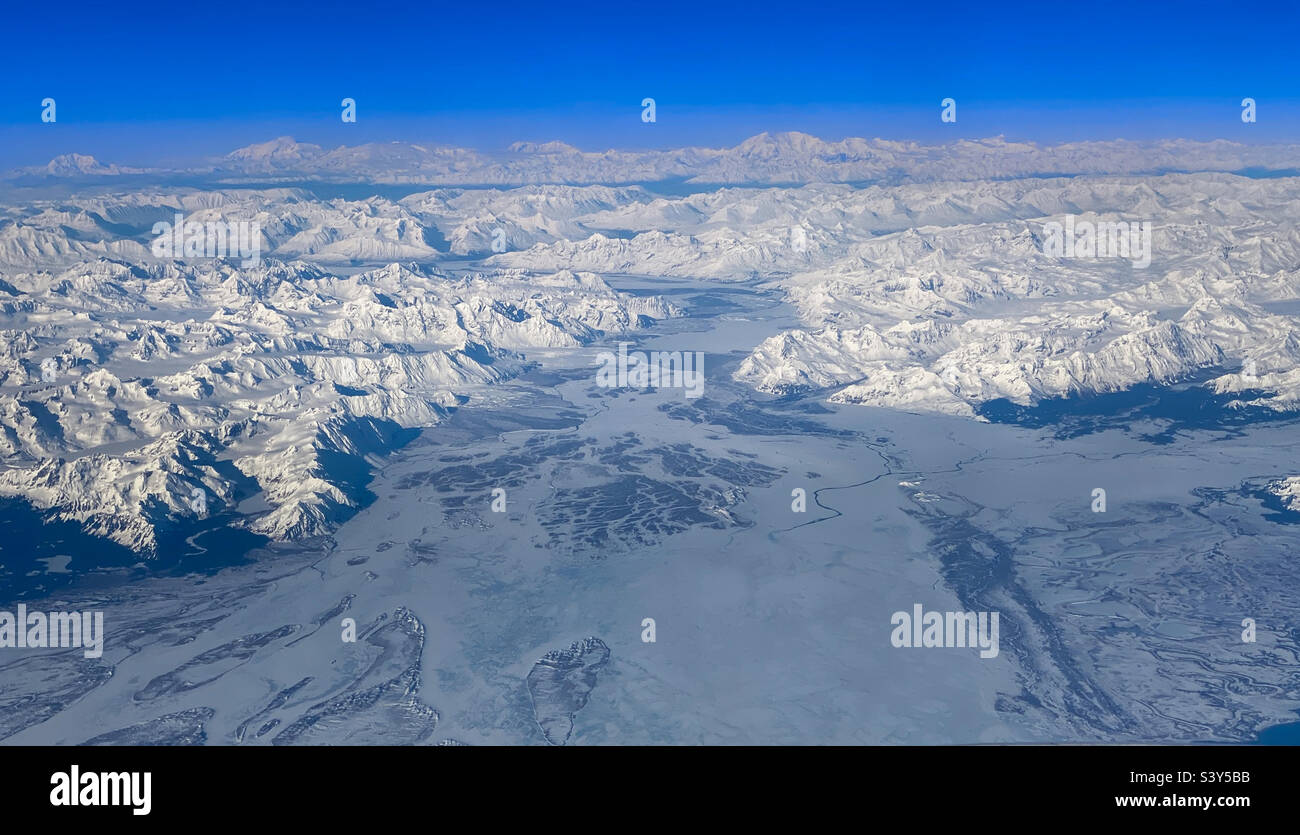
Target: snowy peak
[(284, 150), (553, 147), (68, 165)]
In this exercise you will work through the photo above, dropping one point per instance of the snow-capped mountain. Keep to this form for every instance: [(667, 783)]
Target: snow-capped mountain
[(131, 380), (138, 399), (1288, 490), (193, 407), (967, 309), (72, 165), (788, 158)]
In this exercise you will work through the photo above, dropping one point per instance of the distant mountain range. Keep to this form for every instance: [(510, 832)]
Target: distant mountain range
[(778, 159)]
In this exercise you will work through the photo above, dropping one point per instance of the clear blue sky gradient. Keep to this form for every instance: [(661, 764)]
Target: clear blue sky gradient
[(144, 83)]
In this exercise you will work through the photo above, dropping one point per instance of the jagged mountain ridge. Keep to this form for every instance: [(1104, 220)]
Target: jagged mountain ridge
[(128, 391)]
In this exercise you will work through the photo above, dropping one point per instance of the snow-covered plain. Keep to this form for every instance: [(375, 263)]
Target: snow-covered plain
[(882, 330)]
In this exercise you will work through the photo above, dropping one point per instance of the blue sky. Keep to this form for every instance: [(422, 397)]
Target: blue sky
[(141, 83)]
